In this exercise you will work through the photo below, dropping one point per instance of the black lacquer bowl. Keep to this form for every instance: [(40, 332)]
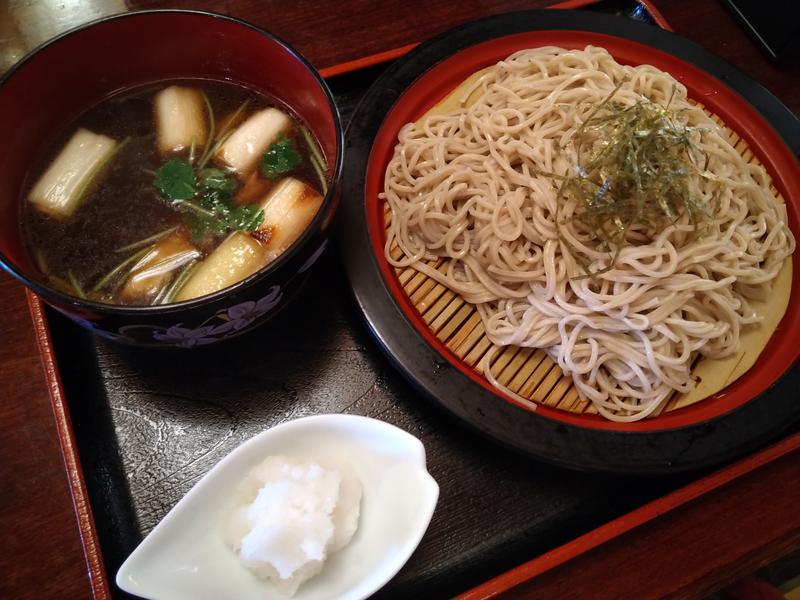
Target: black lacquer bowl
[(62, 78), (754, 409)]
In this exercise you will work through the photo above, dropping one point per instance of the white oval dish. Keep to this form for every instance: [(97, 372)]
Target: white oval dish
[(185, 558)]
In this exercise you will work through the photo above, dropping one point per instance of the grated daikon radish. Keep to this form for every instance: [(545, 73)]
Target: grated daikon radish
[(288, 208), (243, 149), (60, 189), (290, 515), (238, 257), (180, 119)]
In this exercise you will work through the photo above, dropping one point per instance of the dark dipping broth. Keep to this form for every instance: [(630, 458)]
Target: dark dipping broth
[(153, 225)]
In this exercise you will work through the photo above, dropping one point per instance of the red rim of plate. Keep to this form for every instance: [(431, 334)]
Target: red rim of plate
[(781, 351)]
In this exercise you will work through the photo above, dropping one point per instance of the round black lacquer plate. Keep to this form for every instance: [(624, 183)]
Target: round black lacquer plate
[(764, 403)]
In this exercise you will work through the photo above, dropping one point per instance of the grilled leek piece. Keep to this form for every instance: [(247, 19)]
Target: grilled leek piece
[(59, 191), (157, 267), (238, 257), (245, 146), (181, 120), (288, 208)]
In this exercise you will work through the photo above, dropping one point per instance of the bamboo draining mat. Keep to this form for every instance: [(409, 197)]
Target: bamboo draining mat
[(528, 372)]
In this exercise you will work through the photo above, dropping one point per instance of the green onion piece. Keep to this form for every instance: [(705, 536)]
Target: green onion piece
[(100, 167), (146, 241), (41, 262), (192, 149), (320, 173), (169, 264), (222, 135), (173, 289), (317, 161), (211, 132), (312, 146), (62, 285), (196, 208), (212, 149), (76, 286), (134, 258)]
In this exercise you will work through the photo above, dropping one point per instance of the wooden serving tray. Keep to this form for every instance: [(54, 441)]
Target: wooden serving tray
[(138, 428)]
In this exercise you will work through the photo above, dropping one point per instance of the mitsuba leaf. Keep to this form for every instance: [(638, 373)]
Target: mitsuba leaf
[(206, 199), (198, 226), (175, 180), (245, 218), (281, 157), (216, 179)]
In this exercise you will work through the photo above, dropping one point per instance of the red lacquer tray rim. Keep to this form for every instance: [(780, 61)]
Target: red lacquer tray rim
[(636, 518), (69, 450), (395, 53), (503, 582), (93, 552)]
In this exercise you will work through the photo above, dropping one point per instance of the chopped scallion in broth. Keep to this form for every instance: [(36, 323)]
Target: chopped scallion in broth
[(136, 195)]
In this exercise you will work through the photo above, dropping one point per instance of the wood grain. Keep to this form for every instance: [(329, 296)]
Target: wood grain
[(685, 553), (636, 520), (312, 28), (372, 28), (38, 531), (709, 24), (92, 552)]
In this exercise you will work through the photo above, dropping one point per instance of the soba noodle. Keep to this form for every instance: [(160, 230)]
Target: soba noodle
[(478, 187)]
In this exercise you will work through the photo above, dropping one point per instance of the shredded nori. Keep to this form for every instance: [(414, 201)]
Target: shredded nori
[(632, 170)]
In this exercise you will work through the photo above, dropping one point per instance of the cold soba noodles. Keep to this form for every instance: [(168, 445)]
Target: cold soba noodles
[(589, 209), (170, 192)]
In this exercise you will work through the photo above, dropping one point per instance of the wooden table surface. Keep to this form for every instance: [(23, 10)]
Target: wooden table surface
[(695, 549)]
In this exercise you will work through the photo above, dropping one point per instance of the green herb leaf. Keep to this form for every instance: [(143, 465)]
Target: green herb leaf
[(175, 180), (245, 218), (206, 199), (216, 179), (281, 157), (200, 225)]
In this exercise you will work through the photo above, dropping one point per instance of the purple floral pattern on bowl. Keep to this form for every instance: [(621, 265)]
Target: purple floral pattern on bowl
[(185, 337), (242, 315), (233, 321), (224, 323)]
